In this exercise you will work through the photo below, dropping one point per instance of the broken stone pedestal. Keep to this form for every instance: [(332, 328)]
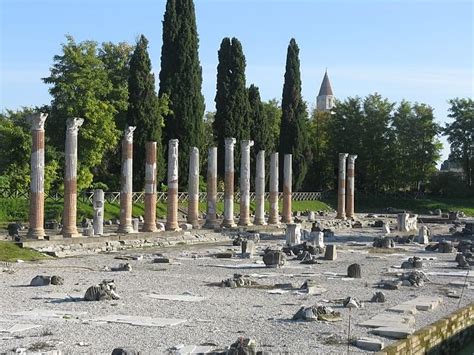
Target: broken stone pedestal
[(331, 253), (317, 238), (407, 222), (293, 234), (135, 222), (386, 228), (423, 235), (248, 248)]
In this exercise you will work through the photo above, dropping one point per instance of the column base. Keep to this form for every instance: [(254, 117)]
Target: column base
[(174, 227), (210, 225), (341, 216), (71, 235), (228, 224), (149, 228), (245, 223), (126, 229), (260, 222), (287, 220), (35, 233)]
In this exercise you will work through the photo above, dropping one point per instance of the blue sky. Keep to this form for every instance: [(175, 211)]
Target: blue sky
[(416, 50)]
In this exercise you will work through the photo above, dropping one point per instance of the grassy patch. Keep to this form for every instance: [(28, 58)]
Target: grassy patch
[(11, 252)]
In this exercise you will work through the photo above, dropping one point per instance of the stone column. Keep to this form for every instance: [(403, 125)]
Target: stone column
[(36, 217), (149, 223), (341, 191), (229, 184), (126, 183), (98, 218), (211, 217), (273, 215), (350, 186), (70, 179), (172, 201), (260, 189), (193, 188), (286, 215), (244, 219)]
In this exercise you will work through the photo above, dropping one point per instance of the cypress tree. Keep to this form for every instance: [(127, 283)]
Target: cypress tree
[(181, 80), (232, 105), (143, 112), (261, 126), (293, 127)]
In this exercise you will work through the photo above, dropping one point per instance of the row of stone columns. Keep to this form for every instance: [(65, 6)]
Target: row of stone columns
[(36, 216), (345, 201)]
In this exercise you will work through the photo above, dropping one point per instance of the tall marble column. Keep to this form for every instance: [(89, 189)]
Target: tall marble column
[(341, 191), (273, 215), (286, 214), (350, 186), (260, 189), (229, 184), (98, 218), (126, 183), (245, 146), (193, 188), (36, 216), (211, 217), (172, 201), (70, 179), (149, 223)]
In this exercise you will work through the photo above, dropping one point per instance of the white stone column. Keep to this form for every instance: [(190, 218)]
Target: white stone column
[(193, 188), (172, 202), (273, 215), (341, 191), (286, 215), (350, 186), (229, 184), (36, 215), (245, 146), (98, 218), (211, 217), (149, 223), (70, 179), (260, 189), (126, 184)]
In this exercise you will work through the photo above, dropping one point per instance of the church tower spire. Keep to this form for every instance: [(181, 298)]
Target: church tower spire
[(325, 99)]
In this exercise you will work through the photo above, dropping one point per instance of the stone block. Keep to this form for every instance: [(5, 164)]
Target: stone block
[(186, 226), (331, 252), (397, 332), (293, 233), (369, 344)]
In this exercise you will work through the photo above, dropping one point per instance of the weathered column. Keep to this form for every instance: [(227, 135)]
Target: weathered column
[(211, 217), (172, 201), (70, 179), (98, 218), (126, 183), (193, 188), (245, 146), (229, 184), (341, 191), (260, 189), (286, 215), (273, 198), (149, 223), (350, 186), (36, 228)]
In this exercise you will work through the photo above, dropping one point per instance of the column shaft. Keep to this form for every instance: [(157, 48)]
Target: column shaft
[(211, 217), (98, 218), (193, 188), (260, 189), (341, 192), (350, 186), (286, 216), (273, 215), (70, 179), (172, 201), (229, 184), (36, 215), (126, 188), (244, 219), (149, 224)]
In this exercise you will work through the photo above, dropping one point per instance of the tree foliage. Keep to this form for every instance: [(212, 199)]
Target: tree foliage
[(460, 135), (294, 119), (232, 104), (181, 80)]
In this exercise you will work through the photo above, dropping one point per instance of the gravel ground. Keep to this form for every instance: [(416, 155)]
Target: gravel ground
[(226, 314)]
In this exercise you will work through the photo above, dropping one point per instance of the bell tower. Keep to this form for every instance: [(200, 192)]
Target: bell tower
[(325, 99)]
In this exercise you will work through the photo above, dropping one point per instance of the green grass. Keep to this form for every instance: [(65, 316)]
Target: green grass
[(12, 252)]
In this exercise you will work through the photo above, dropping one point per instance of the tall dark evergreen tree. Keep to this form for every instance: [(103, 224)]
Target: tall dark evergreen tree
[(181, 80), (261, 126), (232, 105), (143, 112), (294, 119)]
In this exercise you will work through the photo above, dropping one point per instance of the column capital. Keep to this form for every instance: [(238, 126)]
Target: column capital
[(73, 124), (229, 143), (246, 144), (343, 155), (128, 134), (352, 158), (37, 121), (173, 143)]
